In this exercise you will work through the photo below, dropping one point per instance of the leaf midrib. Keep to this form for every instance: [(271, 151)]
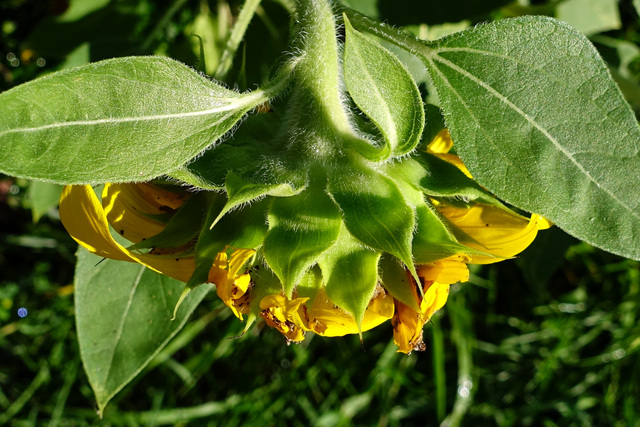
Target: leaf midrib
[(119, 120), (120, 329)]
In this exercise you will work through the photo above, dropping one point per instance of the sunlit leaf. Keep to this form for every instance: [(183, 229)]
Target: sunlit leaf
[(375, 212), (350, 273), (538, 121), (119, 120)]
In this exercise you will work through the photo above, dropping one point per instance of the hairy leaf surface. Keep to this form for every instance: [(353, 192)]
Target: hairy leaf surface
[(384, 90), (119, 120), (538, 121)]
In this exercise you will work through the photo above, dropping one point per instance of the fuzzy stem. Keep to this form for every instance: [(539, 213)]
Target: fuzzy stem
[(318, 72)]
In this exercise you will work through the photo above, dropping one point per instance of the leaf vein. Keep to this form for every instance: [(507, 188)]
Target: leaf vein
[(535, 124)]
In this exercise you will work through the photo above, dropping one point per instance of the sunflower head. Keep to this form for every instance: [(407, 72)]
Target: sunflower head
[(328, 257)]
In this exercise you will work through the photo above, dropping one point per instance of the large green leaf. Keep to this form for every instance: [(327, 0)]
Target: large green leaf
[(538, 120), (125, 119), (384, 90), (123, 317)]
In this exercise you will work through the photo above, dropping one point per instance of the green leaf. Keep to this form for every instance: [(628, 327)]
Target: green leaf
[(350, 273), (301, 228), (440, 178), (538, 121), (119, 120), (375, 212), (431, 238), (43, 196), (123, 318), (384, 90)]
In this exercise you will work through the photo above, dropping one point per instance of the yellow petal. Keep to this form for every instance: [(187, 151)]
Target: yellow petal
[(129, 212), (287, 316), (440, 147), (442, 143), (231, 287), (407, 328), (238, 258), (408, 324), (218, 273), (435, 297), (447, 271), (84, 218), (330, 321), (492, 230), (82, 215), (542, 222)]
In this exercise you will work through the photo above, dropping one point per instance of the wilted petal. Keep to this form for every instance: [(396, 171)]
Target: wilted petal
[(84, 218), (135, 210), (287, 316), (437, 277), (232, 287)]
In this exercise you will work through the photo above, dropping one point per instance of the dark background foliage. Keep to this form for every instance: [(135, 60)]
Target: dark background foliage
[(550, 338)]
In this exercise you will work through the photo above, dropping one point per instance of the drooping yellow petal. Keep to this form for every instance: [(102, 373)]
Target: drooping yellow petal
[(287, 316), (218, 273), (407, 329), (437, 276), (130, 208), (82, 215), (435, 297), (84, 218), (447, 271), (330, 321), (492, 230), (408, 324)]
